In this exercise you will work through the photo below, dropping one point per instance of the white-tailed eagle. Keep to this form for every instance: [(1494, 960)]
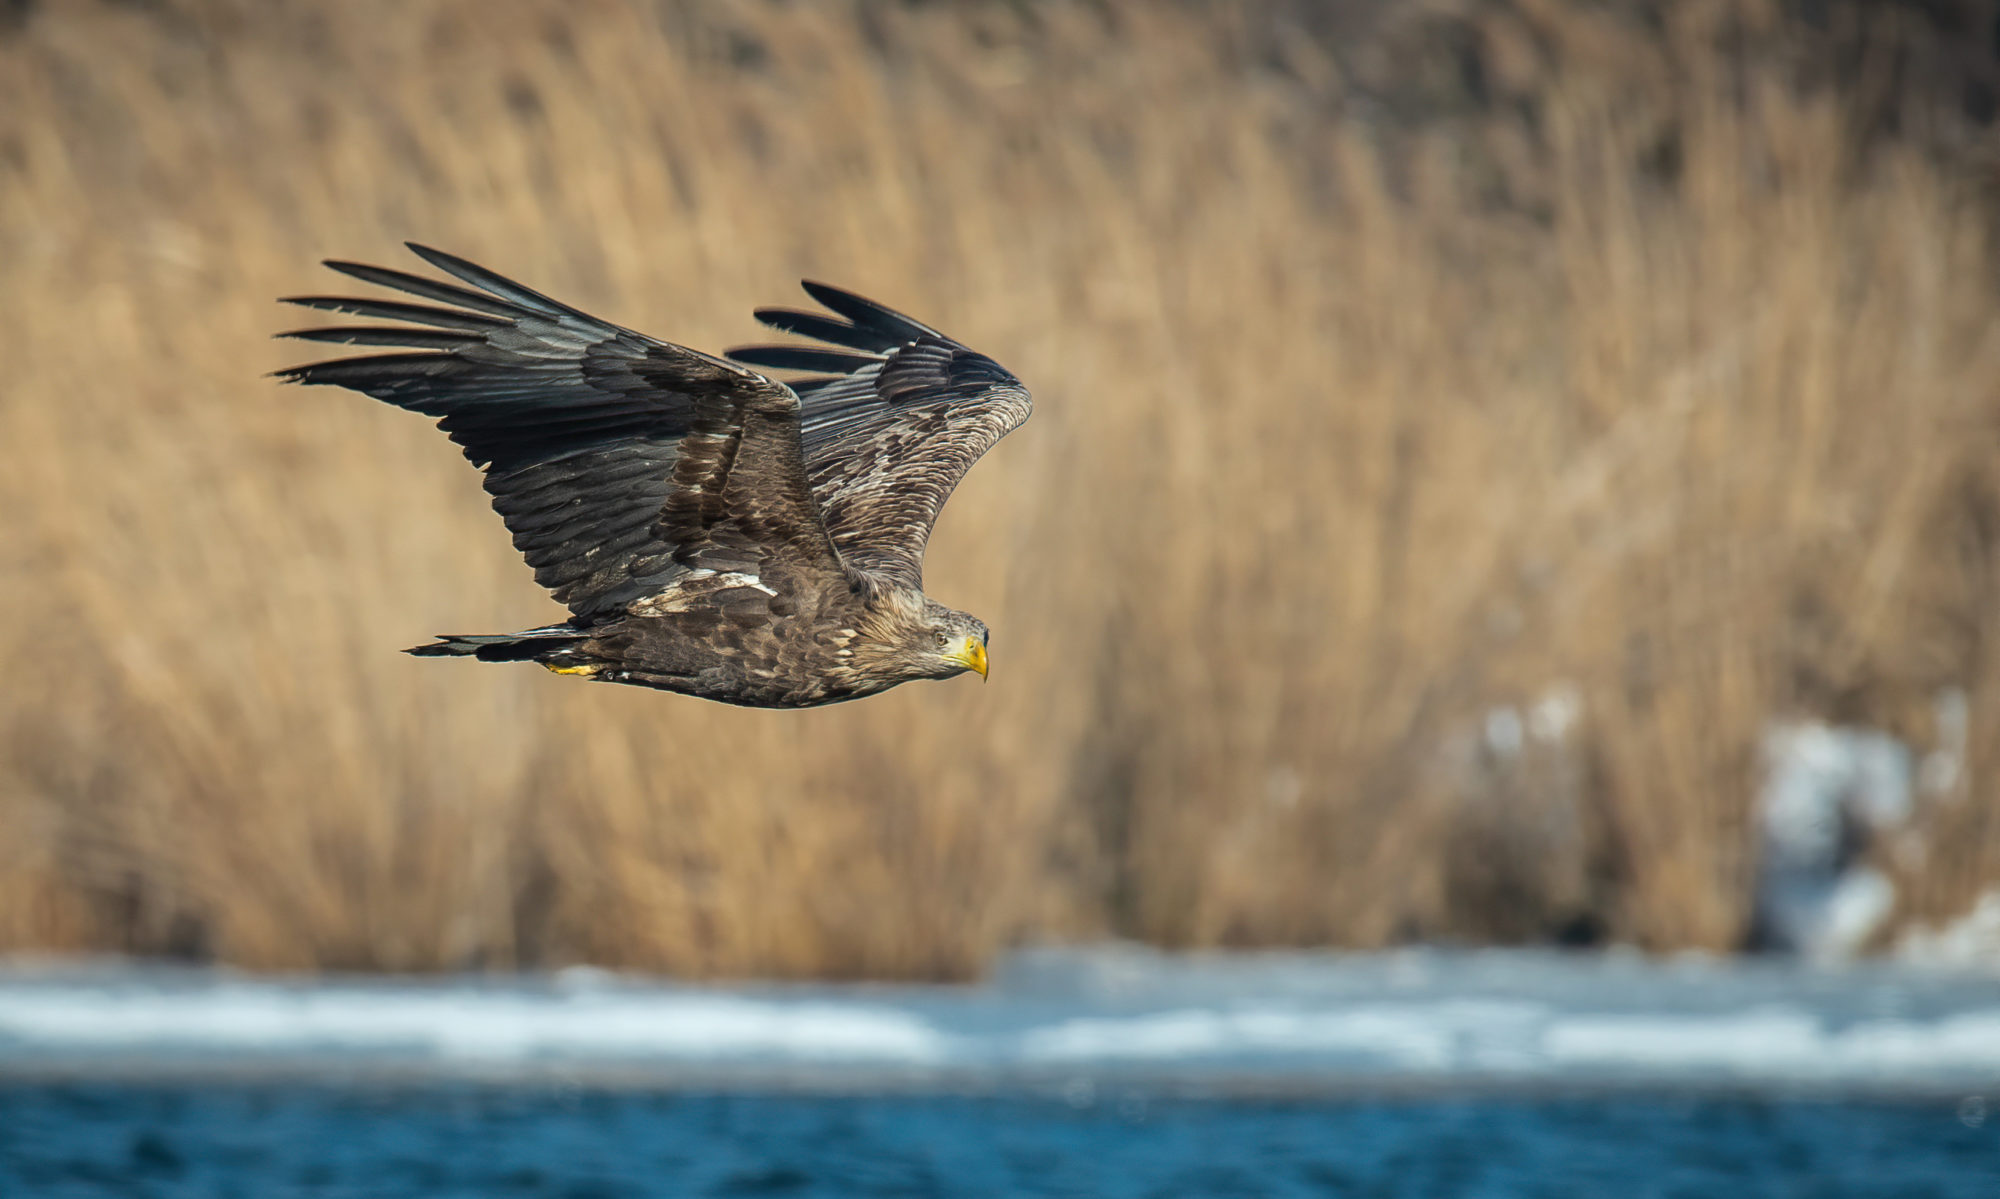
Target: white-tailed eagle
[(712, 530)]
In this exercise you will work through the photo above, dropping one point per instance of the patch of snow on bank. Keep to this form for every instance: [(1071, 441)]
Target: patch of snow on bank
[(1827, 793), (1513, 1017), (1970, 942)]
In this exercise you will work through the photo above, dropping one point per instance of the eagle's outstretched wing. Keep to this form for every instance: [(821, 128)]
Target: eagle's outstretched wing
[(618, 462), (904, 413)]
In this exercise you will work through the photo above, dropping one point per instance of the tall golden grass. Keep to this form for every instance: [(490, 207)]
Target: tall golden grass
[(1635, 384)]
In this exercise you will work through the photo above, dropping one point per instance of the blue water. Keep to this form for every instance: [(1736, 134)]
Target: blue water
[(1095, 1072), (274, 1140)]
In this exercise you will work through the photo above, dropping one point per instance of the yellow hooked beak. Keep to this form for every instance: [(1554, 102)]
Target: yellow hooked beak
[(973, 654)]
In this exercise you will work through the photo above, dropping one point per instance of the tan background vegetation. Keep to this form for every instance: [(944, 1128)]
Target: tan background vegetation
[(1616, 368)]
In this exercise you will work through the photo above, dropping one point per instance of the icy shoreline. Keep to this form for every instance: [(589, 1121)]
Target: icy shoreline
[(1065, 1018)]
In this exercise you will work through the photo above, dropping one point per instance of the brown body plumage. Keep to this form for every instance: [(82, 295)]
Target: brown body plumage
[(711, 530)]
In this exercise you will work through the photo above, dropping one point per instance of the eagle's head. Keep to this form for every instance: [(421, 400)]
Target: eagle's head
[(950, 642), (911, 636)]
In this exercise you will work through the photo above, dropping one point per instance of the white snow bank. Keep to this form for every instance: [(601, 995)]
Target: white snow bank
[(1828, 791), (455, 1023), (1970, 942), (1498, 1017)]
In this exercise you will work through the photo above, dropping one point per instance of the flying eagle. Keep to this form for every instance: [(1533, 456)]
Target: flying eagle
[(712, 531)]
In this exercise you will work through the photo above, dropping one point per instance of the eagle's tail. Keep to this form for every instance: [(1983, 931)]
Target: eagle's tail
[(552, 646)]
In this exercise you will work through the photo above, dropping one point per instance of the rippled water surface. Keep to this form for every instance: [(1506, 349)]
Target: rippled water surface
[(278, 1140), (1107, 1072)]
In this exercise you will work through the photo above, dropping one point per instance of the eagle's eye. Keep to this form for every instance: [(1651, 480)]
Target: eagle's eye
[(943, 640)]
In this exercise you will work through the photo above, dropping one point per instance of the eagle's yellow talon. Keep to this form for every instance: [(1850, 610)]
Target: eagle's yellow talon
[(586, 669)]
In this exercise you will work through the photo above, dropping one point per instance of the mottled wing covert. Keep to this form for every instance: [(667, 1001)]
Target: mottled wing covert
[(898, 414), (617, 461)]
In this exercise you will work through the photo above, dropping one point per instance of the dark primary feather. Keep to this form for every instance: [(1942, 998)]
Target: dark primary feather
[(617, 461), (430, 289), (802, 358), (359, 335), (867, 314), (394, 310), (823, 328), (904, 412)]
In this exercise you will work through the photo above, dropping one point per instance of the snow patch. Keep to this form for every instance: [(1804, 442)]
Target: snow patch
[(1511, 1017), (1970, 942), (1828, 792)]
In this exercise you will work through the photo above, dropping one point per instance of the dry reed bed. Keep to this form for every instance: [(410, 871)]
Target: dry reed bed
[(1333, 454)]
